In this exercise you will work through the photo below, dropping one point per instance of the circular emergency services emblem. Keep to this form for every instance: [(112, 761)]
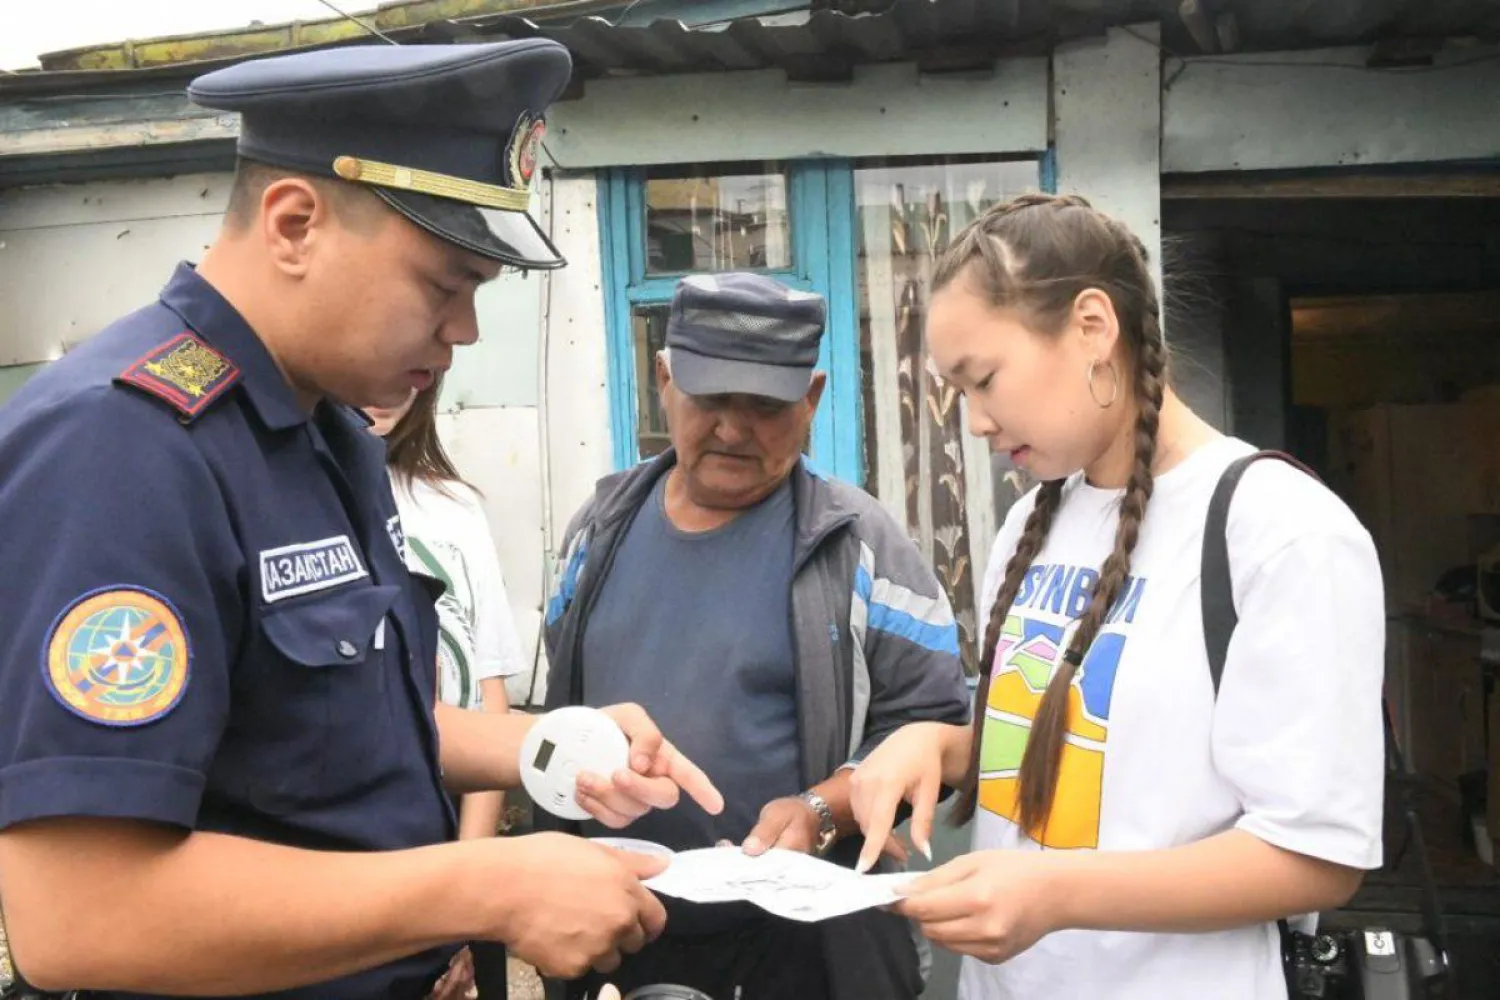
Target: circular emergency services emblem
[(118, 657), (524, 149)]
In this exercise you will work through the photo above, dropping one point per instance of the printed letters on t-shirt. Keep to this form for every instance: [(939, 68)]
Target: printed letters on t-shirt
[(1035, 636)]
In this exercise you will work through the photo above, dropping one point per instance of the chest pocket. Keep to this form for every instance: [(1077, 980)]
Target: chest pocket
[(331, 629), (324, 700)]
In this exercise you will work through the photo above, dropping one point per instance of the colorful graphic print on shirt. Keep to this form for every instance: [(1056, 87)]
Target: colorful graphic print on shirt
[(1032, 641)]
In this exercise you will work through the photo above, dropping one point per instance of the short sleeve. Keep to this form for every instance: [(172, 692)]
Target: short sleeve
[(1298, 730), (497, 644), (114, 637)]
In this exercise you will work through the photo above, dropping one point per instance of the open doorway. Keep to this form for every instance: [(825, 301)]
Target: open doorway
[(1362, 334)]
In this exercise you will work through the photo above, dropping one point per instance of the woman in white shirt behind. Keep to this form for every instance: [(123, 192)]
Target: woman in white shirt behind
[(444, 534)]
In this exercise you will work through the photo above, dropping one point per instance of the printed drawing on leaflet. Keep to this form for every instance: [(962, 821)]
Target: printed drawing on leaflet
[(795, 887), (787, 883), (1032, 641)]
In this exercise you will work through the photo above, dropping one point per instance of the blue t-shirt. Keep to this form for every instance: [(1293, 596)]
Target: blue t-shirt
[(696, 628)]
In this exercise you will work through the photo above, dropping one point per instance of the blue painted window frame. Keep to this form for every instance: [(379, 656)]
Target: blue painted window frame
[(820, 196), (821, 204)]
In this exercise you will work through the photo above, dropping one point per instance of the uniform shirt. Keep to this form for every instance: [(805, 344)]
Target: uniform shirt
[(1291, 750), (448, 537), (205, 622)]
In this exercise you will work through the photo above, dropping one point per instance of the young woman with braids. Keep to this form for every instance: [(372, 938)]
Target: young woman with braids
[(1134, 836)]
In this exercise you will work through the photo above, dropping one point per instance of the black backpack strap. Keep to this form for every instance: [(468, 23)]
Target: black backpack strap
[(1216, 585)]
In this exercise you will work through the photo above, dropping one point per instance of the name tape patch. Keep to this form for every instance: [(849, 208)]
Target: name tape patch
[(307, 567)]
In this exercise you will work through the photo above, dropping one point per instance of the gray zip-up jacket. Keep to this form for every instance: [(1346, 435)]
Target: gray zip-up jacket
[(874, 638)]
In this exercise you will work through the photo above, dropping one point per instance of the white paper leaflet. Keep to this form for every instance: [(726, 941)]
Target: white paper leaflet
[(786, 883)]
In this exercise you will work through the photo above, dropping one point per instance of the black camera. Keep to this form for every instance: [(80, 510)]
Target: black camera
[(1369, 964)]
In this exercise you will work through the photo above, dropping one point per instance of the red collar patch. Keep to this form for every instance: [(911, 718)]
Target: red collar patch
[(185, 372)]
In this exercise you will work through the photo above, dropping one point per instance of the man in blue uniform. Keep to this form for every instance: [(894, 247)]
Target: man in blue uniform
[(221, 770)]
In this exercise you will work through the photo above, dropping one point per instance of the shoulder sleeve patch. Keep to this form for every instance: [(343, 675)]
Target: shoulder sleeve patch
[(185, 372), (118, 656)]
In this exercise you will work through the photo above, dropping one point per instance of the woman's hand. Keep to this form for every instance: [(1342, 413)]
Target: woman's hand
[(992, 905), (909, 766)]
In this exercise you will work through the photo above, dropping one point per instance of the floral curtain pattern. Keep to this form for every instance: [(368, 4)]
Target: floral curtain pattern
[(909, 215)]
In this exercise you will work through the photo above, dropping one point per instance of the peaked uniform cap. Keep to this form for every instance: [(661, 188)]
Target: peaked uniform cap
[(447, 135)]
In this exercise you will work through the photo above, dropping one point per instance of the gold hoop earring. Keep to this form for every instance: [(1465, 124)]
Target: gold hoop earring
[(1114, 384)]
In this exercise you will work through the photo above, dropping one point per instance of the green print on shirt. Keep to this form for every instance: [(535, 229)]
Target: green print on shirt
[(449, 641)]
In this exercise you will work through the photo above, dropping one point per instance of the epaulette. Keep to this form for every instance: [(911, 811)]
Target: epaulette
[(185, 372)]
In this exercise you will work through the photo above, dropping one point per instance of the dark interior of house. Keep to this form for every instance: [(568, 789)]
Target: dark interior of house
[(1362, 334)]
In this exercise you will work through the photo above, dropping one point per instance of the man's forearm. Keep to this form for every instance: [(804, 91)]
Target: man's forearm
[(121, 905), (479, 750), (479, 812)]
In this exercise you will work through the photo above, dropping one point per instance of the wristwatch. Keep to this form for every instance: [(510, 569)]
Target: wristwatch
[(827, 830)]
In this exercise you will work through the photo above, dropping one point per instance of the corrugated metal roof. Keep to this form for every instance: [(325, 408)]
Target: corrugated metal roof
[(828, 40), (821, 44), (806, 44)]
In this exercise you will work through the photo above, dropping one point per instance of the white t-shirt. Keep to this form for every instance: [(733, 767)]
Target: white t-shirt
[(448, 537), (1292, 751)]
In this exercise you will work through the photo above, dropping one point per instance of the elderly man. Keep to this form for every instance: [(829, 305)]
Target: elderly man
[(779, 624)]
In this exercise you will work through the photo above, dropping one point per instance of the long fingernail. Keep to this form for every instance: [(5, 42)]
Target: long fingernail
[(862, 867), (926, 850)]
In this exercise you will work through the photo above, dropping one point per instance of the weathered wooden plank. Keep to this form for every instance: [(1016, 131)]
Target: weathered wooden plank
[(156, 102), (114, 266), (1435, 184), (887, 110), (131, 54), (117, 135), (1297, 110), (1107, 115), (56, 205), (575, 389)]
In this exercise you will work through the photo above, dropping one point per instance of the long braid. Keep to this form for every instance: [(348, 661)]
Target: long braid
[(1041, 761), (1038, 524)]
